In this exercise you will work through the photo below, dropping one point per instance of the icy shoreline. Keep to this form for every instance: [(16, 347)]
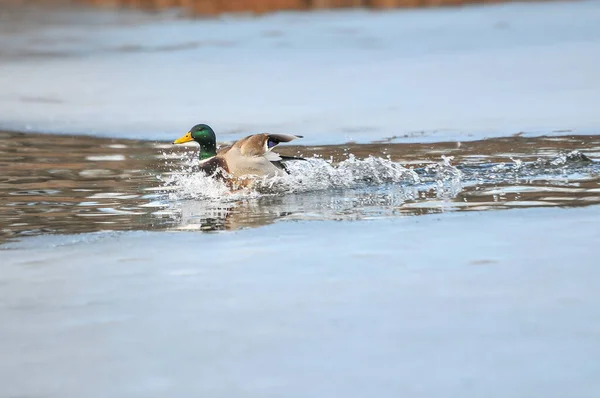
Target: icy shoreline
[(333, 76)]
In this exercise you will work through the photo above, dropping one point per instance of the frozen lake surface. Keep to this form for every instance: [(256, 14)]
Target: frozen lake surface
[(333, 76), (472, 304), (456, 266)]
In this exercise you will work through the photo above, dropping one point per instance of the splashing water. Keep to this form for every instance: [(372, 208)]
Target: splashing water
[(358, 188), (317, 174), (103, 185), (314, 174)]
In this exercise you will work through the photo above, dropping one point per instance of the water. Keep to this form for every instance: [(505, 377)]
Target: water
[(62, 184), (441, 240)]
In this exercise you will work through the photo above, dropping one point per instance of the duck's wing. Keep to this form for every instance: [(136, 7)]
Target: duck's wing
[(262, 144), (222, 151), (273, 140)]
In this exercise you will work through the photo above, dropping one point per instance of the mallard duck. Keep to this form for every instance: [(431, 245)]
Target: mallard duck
[(250, 156)]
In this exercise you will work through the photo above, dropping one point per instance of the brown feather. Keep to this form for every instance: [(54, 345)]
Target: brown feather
[(223, 151), (215, 166), (253, 145), (247, 157), (283, 137), (257, 144)]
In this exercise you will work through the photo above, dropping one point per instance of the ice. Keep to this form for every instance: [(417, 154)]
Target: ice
[(333, 76), (490, 304)]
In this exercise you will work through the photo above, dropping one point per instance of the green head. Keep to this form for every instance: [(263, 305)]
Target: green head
[(203, 135)]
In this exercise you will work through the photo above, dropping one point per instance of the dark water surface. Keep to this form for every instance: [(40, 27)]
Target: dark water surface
[(71, 184)]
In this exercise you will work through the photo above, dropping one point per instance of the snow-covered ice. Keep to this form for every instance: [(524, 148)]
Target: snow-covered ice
[(334, 76)]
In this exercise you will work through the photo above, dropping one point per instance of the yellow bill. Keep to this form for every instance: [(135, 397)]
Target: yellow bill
[(186, 138)]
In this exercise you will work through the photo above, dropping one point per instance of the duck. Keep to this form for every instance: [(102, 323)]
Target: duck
[(249, 157)]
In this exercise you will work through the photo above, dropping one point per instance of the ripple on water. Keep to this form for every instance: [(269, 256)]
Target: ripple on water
[(95, 185), (106, 158)]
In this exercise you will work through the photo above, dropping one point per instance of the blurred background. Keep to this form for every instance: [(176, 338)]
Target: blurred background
[(215, 7), (359, 74)]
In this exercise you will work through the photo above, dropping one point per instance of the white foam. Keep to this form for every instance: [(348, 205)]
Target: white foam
[(314, 174)]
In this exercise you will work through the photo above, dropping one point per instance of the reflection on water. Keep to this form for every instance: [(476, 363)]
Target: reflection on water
[(62, 184)]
